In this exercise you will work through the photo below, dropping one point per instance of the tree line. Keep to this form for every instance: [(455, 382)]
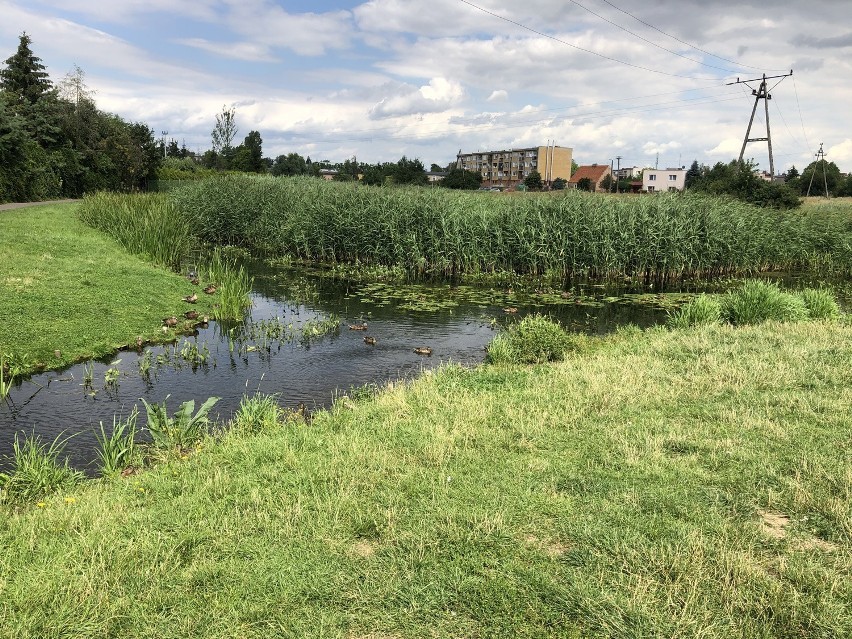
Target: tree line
[(55, 142)]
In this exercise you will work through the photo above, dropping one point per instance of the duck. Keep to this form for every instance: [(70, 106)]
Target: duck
[(203, 323), (192, 299), (170, 321), (510, 309), (423, 350), (369, 340), (193, 281), (358, 327), (191, 315), (210, 289), (139, 342)]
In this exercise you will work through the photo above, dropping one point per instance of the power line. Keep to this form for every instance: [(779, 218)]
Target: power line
[(692, 46), (574, 46), (651, 42)]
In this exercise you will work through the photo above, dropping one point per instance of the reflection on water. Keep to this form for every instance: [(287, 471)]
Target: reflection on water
[(296, 370)]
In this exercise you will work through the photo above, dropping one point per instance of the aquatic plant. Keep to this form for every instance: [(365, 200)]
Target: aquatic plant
[(112, 375), (196, 356), (145, 363), (704, 309), (117, 450), (315, 328), (181, 430), (145, 224), (88, 374), (758, 301), (233, 286), (36, 471), (5, 378), (571, 234)]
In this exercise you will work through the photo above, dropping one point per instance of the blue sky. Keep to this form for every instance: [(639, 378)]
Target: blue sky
[(382, 78)]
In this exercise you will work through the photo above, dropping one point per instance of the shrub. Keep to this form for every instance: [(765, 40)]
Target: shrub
[(758, 301), (704, 309), (533, 340), (117, 450), (820, 303), (182, 430)]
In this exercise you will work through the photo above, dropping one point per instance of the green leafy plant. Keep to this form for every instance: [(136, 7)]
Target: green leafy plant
[(181, 430), (117, 450), (112, 374), (36, 470), (233, 286), (5, 378)]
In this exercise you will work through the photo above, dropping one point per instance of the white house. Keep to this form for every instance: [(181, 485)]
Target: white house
[(657, 180)]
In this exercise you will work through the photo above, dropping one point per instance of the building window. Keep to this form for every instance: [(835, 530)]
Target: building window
[(652, 177), (650, 189), (672, 188), (672, 178)]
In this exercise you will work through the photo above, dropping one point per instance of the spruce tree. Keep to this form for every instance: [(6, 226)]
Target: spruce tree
[(25, 76)]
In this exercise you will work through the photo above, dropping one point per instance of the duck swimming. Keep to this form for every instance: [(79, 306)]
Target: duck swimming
[(369, 340), (423, 350), (358, 327)]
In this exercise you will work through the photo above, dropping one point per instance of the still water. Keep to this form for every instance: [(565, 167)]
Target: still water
[(272, 352)]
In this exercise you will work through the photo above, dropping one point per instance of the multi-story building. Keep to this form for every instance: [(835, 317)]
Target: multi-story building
[(627, 172), (508, 168), (657, 180)]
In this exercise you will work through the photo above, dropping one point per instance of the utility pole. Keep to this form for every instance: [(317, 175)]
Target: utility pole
[(165, 133), (820, 158), (618, 172), (761, 93)]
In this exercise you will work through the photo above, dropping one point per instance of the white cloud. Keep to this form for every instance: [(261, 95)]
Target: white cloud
[(498, 95), (437, 96), (237, 50)]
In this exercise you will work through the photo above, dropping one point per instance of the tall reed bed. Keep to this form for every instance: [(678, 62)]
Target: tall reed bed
[(232, 282), (568, 234), (145, 224)]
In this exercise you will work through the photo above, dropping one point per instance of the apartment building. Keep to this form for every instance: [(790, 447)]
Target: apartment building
[(508, 168), (657, 180)]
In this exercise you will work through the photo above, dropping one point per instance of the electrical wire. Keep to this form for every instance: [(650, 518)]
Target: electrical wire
[(804, 133), (692, 46), (574, 46), (651, 42)]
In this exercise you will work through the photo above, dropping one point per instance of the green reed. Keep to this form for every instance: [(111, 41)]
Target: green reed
[(36, 470), (145, 224), (233, 286), (117, 450), (569, 234)]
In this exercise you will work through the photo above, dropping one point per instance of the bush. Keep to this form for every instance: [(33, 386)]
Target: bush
[(757, 301), (533, 340), (820, 303), (36, 471), (257, 414), (704, 309)]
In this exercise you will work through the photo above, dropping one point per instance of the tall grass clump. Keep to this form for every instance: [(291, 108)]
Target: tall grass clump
[(534, 340), (704, 309), (118, 450), (144, 224), (233, 285), (570, 234), (256, 414), (820, 303), (757, 301), (36, 470)]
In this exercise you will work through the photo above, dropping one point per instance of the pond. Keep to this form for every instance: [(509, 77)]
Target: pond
[(296, 343)]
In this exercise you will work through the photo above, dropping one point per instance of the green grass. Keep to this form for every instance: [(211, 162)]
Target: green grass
[(689, 483), (36, 471), (570, 234), (66, 287)]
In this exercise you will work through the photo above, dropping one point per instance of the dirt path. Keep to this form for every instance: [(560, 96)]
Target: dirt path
[(21, 205)]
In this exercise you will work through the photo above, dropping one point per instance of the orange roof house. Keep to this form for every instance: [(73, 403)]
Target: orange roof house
[(595, 172)]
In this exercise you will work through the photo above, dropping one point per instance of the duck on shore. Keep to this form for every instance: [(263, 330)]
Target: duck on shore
[(171, 322), (192, 299), (191, 315), (210, 289)]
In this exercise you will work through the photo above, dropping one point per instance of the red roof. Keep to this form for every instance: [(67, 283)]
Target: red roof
[(594, 172)]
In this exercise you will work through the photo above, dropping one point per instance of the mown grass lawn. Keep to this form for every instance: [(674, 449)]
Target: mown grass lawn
[(692, 483), (66, 287)]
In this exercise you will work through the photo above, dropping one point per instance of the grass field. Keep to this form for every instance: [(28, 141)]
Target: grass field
[(661, 484), (66, 287)]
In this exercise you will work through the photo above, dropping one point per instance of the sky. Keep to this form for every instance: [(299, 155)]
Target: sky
[(331, 79)]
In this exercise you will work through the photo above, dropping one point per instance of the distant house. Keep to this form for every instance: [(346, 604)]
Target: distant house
[(627, 172), (435, 176), (594, 172), (657, 180), (328, 174)]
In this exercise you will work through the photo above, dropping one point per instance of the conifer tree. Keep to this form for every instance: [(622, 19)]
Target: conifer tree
[(25, 76)]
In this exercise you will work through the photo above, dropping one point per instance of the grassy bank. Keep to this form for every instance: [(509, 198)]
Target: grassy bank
[(688, 483), (66, 287), (568, 235)]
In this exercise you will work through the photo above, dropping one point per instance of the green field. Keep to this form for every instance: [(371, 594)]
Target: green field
[(66, 287), (659, 484)]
